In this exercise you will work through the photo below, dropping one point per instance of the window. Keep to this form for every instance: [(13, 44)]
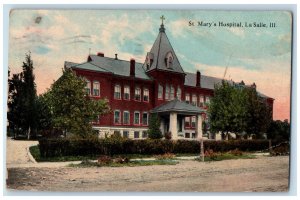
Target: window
[(187, 135), (178, 93), (172, 93), (193, 121), (136, 134), (160, 91), (169, 60), (126, 117), (167, 94), (144, 134), (136, 118), (201, 100), (117, 119), (126, 92), (117, 94), (145, 118), (194, 100), (187, 121), (187, 98), (125, 134), (96, 120), (117, 133), (96, 88), (88, 87), (137, 94), (193, 135), (146, 95), (207, 99)]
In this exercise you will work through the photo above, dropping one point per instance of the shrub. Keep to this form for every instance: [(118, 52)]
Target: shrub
[(165, 156), (104, 160), (118, 146)]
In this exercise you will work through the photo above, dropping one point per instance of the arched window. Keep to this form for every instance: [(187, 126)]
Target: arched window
[(178, 93), (167, 94), (126, 92), (172, 93), (96, 88), (88, 87), (160, 91), (146, 95), (194, 100), (169, 60), (117, 93), (137, 94)]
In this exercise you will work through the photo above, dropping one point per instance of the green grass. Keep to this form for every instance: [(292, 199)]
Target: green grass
[(227, 156), (129, 164)]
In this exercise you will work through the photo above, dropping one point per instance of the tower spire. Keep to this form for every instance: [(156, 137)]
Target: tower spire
[(162, 28)]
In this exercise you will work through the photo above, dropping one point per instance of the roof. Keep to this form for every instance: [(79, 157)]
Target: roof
[(159, 50), (111, 65), (177, 106), (205, 81)]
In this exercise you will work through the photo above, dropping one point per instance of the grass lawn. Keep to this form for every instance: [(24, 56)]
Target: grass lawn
[(129, 164)]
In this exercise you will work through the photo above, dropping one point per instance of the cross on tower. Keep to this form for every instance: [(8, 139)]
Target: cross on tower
[(162, 19)]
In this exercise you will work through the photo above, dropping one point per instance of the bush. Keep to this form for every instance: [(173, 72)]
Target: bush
[(118, 146)]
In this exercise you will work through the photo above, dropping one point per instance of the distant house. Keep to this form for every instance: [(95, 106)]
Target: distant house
[(159, 85)]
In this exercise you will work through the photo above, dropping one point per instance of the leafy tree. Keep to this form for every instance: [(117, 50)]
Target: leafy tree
[(72, 111), (259, 113), (279, 130), (227, 109), (22, 112), (154, 124)]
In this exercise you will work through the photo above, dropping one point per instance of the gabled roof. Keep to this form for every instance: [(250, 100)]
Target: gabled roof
[(159, 50), (177, 106), (111, 65)]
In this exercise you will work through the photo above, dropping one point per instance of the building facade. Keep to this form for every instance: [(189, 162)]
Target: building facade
[(159, 85)]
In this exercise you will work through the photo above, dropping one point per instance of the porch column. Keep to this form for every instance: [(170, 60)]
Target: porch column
[(199, 126), (173, 125)]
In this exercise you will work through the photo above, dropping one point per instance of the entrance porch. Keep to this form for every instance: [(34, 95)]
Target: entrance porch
[(172, 118)]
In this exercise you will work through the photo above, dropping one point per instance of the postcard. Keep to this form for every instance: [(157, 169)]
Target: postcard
[(149, 101)]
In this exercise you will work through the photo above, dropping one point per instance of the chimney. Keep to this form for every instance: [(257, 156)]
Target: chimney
[(89, 59), (116, 56), (100, 54), (132, 67), (198, 79)]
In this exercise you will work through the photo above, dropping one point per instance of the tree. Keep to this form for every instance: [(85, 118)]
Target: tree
[(154, 124), (227, 109), (237, 108), (259, 113), (279, 130), (22, 98), (71, 109)]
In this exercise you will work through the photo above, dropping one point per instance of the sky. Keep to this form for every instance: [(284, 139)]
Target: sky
[(252, 54)]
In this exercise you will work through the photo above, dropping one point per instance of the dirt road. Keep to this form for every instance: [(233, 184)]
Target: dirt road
[(258, 175)]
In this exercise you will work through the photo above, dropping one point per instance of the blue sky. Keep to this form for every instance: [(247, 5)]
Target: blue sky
[(261, 55)]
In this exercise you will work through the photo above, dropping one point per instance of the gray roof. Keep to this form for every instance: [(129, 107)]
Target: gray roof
[(205, 81), (111, 65), (160, 49), (177, 106), (209, 82)]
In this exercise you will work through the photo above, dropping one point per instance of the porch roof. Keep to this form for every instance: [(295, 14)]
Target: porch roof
[(177, 106)]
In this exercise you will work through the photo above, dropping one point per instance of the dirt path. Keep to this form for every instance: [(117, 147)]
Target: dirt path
[(258, 175), (16, 151)]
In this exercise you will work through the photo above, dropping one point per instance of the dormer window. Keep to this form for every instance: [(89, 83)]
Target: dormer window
[(149, 60), (169, 60)]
